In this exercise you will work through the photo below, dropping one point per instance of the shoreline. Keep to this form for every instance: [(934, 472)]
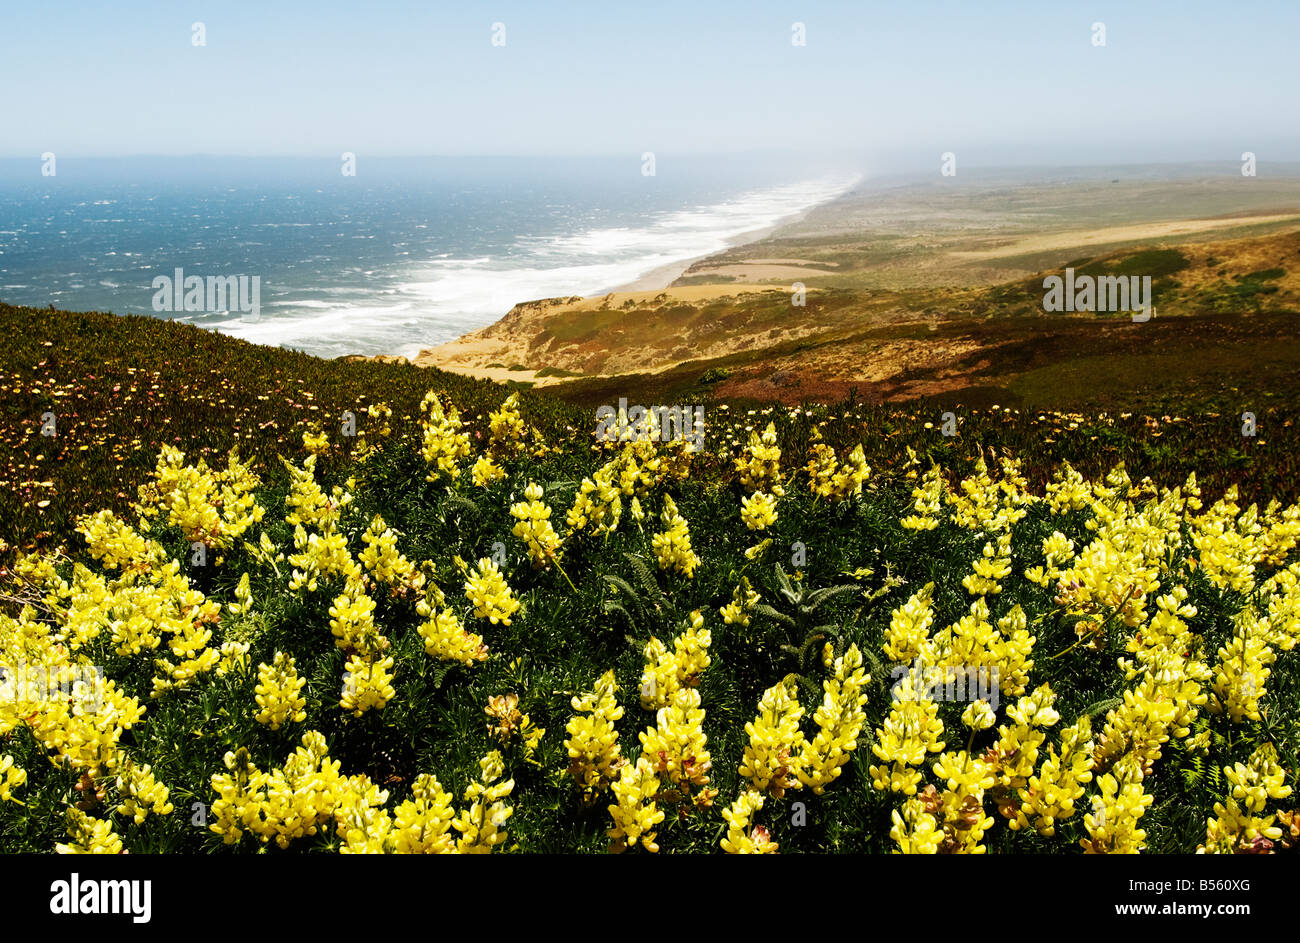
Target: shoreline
[(657, 279), (661, 278)]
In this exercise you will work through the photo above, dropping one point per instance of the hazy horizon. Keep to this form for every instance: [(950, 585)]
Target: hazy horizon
[(1007, 84)]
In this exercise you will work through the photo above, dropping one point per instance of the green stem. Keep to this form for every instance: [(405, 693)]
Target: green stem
[(1100, 631), (566, 576)]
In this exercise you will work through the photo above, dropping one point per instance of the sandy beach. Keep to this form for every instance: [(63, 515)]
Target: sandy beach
[(489, 352)]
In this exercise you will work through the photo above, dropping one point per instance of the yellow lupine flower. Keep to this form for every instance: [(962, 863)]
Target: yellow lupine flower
[(739, 842), (422, 824), (594, 759), (1048, 797), (367, 683), (487, 590), (234, 657), (315, 441), (506, 427), (534, 527), (141, 793), (928, 499), (676, 747), (775, 753), (446, 639), (484, 472), (743, 601), (911, 730), (759, 467), (445, 445), (993, 565), (634, 811), (383, 561), (1112, 825), (89, 836), (915, 830), (214, 508), (352, 623), (672, 546), (599, 503), (909, 626), (758, 511), (665, 673), (480, 825), (278, 693), (839, 720), (11, 777)]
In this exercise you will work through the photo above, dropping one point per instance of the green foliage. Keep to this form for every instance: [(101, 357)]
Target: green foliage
[(564, 637)]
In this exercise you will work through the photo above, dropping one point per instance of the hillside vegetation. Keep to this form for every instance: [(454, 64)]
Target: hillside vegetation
[(263, 601), (454, 644), (1234, 303)]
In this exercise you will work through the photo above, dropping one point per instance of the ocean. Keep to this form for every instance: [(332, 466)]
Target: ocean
[(406, 254)]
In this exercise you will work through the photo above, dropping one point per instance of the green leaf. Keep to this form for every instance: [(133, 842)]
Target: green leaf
[(609, 606), (830, 592), (645, 575), (763, 609), (1103, 705), (457, 500)]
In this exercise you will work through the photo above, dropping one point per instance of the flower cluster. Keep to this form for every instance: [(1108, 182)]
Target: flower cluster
[(774, 756), (446, 639), (672, 547), (11, 777), (828, 478), (743, 601), (508, 722), (634, 811), (757, 841), (384, 563), (445, 445), (1239, 825), (598, 503), (759, 468), (666, 672), (594, 759), (839, 720), (676, 747), (506, 427), (758, 511), (534, 527), (210, 507), (140, 792), (367, 683), (480, 825), (279, 693), (928, 499), (487, 589)]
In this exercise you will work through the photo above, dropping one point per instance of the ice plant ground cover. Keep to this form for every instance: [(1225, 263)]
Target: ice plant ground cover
[(467, 639)]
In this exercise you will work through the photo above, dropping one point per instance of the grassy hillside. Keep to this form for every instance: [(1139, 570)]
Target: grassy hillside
[(1234, 302), (121, 387), (338, 673), (432, 636)]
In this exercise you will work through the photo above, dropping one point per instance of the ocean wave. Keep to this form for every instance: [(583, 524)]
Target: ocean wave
[(443, 297)]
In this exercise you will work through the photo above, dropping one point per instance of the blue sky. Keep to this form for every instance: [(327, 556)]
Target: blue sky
[(996, 82)]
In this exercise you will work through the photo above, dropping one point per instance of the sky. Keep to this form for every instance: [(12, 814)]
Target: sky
[(997, 83)]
